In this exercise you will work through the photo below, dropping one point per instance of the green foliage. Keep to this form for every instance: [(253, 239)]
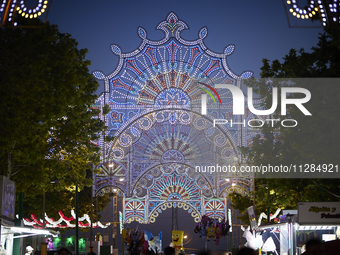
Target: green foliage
[(48, 127), (314, 140), (106, 109)]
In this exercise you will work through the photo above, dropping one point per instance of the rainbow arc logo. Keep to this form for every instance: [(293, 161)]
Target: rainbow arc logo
[(204, 97)]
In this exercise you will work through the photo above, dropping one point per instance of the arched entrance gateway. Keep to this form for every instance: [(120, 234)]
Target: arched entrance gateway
[(165, 152)]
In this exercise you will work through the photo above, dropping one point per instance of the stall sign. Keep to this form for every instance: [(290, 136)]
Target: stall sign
[(319, 213)]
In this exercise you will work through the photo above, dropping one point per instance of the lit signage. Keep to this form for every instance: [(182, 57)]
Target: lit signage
[(319, 213)]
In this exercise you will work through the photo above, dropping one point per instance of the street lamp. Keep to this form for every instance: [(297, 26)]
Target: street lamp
[(186, 237)]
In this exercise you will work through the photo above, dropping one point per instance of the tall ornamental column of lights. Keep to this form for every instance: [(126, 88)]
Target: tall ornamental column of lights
[(328, 10)]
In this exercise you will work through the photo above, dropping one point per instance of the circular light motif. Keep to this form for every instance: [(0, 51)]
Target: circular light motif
[(227, 153), (304, 12), (200, 123), (220, 140), (117, 153), (125, 140), (185, 118), (38, 8), (145, 123)]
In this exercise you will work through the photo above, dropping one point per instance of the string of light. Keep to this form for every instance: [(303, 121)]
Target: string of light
[(51, 223)]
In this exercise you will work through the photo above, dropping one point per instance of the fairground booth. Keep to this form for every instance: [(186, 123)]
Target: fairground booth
[(312, 220), (13, 233)]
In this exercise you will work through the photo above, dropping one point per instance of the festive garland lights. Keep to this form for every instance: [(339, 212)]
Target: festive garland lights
[(328, 10), (34, 12), (51, 223)]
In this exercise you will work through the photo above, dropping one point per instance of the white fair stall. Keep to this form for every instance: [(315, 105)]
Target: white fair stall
[(311, 220)]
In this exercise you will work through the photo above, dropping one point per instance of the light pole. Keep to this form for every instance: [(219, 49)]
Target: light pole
[(77, 223), (76, 212), (44, 244)]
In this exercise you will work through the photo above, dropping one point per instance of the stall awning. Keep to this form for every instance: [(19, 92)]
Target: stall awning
[(24, 231)]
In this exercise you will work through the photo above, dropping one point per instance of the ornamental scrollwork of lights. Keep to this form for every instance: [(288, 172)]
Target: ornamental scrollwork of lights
[(9, 9), (165, 151), (327, 10)]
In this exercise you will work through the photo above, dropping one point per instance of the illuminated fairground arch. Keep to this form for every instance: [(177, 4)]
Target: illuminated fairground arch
[(155, 99), (193, 135), (172, 185)]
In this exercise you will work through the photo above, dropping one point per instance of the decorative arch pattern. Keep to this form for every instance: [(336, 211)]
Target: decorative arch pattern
[(163, 144)]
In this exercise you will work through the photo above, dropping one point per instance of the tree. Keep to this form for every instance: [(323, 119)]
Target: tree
[(49, 129), (314, 140)]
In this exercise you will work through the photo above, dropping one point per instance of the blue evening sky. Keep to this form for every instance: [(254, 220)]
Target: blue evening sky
[(259, 29)]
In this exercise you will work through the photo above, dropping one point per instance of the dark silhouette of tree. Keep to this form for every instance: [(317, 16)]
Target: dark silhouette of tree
[(49, 126), (315, 139)]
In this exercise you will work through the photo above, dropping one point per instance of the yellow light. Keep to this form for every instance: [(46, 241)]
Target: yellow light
[(43, 10), (306, 16), (35, 15), (45, 2), (39, 13), (294, 13), (316, 9), (313, 12), (26, 16), (44, 6), (310, 15), (289, 2), (31, 16), (20, 11), (302, 17), (23, 14), (291, 10), (298, 15), (18, 8)]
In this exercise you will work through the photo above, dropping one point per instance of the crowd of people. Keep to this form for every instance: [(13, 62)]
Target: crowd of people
[(312, 247)]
